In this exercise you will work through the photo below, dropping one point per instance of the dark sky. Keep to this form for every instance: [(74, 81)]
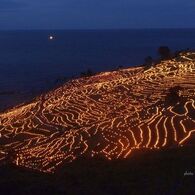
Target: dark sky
[(93, 14)]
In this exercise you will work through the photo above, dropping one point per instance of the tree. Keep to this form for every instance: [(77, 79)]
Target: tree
[(148, 61), (88, 73), (164, 52), (173, 97)]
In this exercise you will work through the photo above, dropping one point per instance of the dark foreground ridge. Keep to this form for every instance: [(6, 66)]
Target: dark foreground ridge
[(111, 115), (151, 172)]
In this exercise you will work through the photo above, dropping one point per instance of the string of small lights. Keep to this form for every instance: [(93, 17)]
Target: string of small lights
[(110, 114)]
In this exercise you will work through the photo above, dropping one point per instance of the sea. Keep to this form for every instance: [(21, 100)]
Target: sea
[(35, 61)]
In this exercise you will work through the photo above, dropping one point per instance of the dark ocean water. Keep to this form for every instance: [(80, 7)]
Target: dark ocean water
[(30, 62)]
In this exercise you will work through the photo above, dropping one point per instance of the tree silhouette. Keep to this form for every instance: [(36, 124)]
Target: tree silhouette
[(164, 52), (173, 97), (87, 73), (148, 62)]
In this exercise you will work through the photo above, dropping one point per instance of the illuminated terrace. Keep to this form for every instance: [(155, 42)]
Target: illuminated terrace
[(108, 115)]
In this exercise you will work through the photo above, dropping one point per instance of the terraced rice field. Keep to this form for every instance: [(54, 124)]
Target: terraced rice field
[(111, 115)]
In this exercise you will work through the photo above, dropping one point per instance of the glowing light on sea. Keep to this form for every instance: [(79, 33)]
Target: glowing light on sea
[(51, 37)]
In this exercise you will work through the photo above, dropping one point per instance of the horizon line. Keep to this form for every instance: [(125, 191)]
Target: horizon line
[(100, 29)]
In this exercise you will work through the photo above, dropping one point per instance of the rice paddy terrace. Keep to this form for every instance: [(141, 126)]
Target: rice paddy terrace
[(110, 114)]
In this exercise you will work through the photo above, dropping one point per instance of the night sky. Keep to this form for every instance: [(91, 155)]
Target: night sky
[(96, 14)]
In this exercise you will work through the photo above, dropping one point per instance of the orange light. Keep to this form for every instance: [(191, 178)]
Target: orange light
[(110, 114)]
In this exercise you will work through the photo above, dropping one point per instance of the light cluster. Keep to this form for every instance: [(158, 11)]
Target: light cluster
[(110, 115)]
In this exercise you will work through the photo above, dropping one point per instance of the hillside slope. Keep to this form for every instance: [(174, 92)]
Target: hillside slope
[(109, 115)]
